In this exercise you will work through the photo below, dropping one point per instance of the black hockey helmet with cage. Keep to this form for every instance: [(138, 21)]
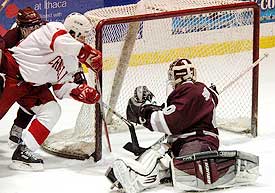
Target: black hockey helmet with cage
[(28, 17), (181, 70)]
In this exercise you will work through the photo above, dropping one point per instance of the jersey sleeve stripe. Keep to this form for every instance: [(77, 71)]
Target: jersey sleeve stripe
[(158, 123), (58, 33)]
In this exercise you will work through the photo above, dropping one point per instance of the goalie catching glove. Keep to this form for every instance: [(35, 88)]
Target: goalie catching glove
[(141, 105), (85, 94), (91, 57), (143, 95)]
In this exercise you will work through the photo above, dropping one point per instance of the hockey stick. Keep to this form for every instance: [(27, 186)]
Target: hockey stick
[(3, 5), (134, 146), (102, 112), (243, 73)]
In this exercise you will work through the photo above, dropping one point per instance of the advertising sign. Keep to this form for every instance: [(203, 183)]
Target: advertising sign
[(267, 10), (50, 10)]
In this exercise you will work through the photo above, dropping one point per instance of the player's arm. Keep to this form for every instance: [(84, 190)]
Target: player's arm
[(2, 44), (67, 45), (168, 119), (2, 76), (12, 37), (91, 57), (64, 44), (79, 92)]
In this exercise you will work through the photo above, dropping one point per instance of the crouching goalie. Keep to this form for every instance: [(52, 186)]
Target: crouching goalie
[(191, 158)]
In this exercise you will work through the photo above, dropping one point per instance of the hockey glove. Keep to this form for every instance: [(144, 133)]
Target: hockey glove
[(85, 94), (91, 57), (138, 112), (79, 78), (146, 111), (143, 95)]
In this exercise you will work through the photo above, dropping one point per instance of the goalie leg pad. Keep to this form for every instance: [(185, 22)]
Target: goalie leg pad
[(127, 177), (214, 169), (135, 175)]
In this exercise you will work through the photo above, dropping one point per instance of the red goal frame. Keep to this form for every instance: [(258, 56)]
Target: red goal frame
[(136, 18)]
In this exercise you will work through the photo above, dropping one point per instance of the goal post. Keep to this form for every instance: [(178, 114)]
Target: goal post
[(221, 37)]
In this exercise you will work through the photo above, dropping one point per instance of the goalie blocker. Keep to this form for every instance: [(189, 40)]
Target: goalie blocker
[(214, 169)]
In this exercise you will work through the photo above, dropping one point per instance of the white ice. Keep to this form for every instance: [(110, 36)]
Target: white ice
[(72, 176)]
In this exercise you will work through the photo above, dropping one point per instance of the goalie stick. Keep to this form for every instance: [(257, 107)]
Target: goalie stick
[(98, 86), (243, 73), (134, 145)]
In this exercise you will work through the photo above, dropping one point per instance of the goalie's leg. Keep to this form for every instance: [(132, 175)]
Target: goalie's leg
[(214, 169), (136, 175)]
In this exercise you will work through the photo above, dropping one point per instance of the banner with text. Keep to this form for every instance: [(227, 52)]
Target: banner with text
[(50, 10), (267, 10)]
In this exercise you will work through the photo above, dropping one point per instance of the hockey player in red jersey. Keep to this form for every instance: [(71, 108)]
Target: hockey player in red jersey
[(27, 21), (49, 55), (191, 152)]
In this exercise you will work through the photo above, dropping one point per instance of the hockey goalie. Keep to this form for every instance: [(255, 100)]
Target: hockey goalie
[(190, 158)]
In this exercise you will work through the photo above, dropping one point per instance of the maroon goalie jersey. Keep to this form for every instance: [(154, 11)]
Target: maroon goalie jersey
[(190, 107)]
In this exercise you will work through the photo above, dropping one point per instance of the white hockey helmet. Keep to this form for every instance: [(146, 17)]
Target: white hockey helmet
[(180, 71), (78, 25)]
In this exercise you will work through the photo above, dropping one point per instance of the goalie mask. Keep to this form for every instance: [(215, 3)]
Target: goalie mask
[(78, 26), (181, 70)]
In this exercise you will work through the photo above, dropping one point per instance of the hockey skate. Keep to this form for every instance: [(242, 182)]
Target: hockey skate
[(24, 159), (111, 176), (15, 136)]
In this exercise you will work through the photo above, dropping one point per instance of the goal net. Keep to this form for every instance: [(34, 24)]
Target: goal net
[(139, 41)]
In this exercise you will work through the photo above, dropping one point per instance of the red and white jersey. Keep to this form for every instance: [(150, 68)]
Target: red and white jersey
[(48, 55)]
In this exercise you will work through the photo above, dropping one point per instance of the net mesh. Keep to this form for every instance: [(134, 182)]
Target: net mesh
[(219, 43)]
